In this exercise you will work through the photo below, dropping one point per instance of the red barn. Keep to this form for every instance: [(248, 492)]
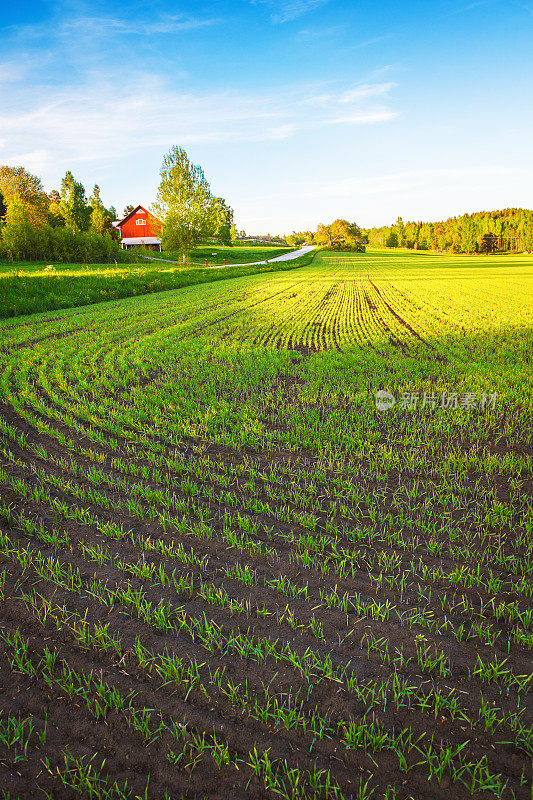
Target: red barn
[(139, 228)]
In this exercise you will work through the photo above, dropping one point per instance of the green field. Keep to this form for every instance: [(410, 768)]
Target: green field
[(226, 573), (29, 287)]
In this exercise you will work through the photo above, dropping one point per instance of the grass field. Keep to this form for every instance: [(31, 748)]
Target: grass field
[(27, 288), (226, 574)]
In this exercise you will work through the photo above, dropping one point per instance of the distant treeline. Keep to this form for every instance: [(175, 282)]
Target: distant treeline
[(482, 232)]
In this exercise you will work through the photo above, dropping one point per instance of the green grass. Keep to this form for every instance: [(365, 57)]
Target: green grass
[(26, 288)]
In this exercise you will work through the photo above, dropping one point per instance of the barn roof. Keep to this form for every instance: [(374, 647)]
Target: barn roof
[(122, 221)]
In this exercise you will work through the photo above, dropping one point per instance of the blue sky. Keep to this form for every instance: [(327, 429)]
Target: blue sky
[(299, 111)]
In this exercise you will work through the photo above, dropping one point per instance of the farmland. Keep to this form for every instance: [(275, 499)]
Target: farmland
[(226, 574)]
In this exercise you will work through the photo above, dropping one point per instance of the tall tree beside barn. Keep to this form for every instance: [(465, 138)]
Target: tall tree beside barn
[(184, 202), (73, 204), (101, 218)]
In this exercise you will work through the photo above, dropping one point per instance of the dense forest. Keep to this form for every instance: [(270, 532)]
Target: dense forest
[(482, 232)]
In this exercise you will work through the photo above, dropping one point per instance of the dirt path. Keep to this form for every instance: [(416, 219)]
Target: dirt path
[(286, 257)]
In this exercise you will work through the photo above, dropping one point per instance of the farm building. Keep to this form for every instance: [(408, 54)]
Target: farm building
[(139, 228)]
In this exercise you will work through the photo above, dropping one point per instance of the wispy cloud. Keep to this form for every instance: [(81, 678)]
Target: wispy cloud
[(85, 26), (38, 161), (374, 40), (143, 26), (528, 7), (364, 90), (380, 71), (288, 10), (310, 34), (468, 7), (95, 122), (369, 117), (11, 71)]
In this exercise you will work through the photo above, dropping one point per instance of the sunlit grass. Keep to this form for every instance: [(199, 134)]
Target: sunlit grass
[(27, 288)]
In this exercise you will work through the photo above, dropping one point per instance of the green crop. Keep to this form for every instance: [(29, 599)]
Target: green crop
[(217, 549)]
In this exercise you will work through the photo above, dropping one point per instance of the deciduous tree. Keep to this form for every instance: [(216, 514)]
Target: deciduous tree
[(19, 234), (340, 233), (54, 213), (399, 229), (184, 202), (73, 204), (344, 233), (100, 216), (323, 235), (222, 220), (295, 239), (18, 183)]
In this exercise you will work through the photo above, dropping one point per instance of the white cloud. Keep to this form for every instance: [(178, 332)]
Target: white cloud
[(374, 40), (364, 90), (310, 34), (10, 71), (35, 161), (319, 99), (368, 117)]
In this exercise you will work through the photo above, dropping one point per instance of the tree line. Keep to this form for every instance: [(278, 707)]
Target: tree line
[(66, 225), (510, 229)]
